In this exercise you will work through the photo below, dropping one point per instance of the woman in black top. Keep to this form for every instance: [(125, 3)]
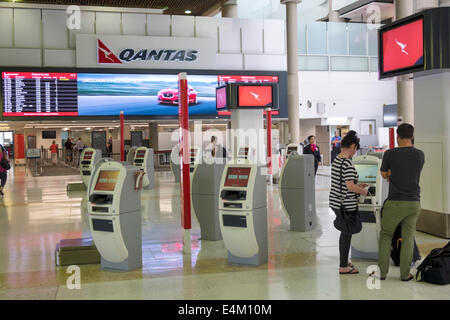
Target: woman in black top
[(345, 192), (313, 149)]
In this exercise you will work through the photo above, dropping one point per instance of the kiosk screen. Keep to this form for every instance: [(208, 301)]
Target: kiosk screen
[(237, 177), (290, 149), (243, 151), (87, 155), (107, 180), (140, 154), (367, 172)]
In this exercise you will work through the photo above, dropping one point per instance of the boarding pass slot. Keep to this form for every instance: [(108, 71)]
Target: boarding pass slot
[(86, 162), (86, 173), (232, 205), (233, 195), (101, 198), (100, 209)]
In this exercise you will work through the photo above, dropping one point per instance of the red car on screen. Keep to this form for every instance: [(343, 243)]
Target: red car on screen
[(170, 95)]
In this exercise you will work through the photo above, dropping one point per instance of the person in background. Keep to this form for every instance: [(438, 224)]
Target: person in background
[(79, 146), (3, 171), (313, 149), (54, 152), (335, 145), (212, 147), (346, 194), (68, 145), (109, 147), (402, 166)]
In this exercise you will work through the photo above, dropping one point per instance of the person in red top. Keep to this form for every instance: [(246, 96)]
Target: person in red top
[(54, 150), (313, 148), (3, 171)]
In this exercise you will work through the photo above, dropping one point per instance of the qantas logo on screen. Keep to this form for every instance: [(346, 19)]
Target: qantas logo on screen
[(402, 46), (256, 96), (105, 55)]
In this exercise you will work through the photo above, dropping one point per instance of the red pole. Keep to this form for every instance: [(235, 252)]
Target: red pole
[(391, 138), (122, 143), (269, 140), (185, 183)]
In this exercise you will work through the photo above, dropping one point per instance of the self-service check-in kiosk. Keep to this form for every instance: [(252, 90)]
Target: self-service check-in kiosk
[(88, 159), (175, 163), (114, 210), (130, 155), (205, 192), (143, 159), (297, 190), (365, 243), (243, 213)]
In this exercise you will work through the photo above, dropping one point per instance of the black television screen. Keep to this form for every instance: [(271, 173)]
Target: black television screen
[(48, 134)]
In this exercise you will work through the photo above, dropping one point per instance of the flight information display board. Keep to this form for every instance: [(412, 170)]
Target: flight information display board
[(40, 94)]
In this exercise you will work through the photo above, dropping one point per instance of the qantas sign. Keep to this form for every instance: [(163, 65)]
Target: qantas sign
[(106, 56)]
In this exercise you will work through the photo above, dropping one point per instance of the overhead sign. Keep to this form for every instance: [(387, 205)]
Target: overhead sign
[(94, 51)]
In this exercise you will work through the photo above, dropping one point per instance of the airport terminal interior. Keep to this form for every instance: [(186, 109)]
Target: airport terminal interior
[(183, 150)]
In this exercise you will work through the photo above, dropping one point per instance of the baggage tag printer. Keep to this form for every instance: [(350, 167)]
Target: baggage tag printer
[(143, 159), (114, 210), (365, 243), (243, 213), (88, 159)]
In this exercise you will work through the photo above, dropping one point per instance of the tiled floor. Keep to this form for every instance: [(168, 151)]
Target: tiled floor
[(37, 212)]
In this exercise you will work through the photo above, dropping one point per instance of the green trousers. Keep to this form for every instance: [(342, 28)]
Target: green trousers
[(395, 213)]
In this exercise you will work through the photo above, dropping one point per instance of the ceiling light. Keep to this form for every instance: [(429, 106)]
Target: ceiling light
[(188, 12)]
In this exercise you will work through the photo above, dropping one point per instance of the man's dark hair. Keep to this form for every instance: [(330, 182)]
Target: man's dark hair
[(405, 131), (311, 136)]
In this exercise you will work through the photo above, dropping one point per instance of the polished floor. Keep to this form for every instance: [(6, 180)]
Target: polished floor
[(37, 212)]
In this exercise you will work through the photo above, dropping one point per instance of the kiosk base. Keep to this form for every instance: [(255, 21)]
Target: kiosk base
[(123, 266), (256, 260)]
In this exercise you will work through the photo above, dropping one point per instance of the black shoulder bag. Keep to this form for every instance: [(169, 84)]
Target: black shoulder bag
[(347, 222), (4, 163)]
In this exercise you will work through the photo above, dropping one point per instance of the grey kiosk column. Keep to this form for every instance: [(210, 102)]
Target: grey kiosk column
[(297, 186)]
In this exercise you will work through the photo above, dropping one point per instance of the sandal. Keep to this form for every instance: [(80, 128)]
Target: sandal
[(410, 277), (351, 271)]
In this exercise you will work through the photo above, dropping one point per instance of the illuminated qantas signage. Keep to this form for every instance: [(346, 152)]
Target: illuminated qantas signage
[(106, 56), (147, 52)]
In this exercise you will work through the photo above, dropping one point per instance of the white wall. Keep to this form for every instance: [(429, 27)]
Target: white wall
[(46, 143), (24, 43), (356, 95)]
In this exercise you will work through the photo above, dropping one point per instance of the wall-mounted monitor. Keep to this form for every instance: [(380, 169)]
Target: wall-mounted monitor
[(252, 96), (221, 98), (402, 47), (49, 134)]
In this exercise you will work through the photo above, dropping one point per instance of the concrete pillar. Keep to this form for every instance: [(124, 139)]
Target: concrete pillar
[(229, 9), (426, 4), (126, 132), (153, 135), (333, 16), (405, 88), (292, 65)]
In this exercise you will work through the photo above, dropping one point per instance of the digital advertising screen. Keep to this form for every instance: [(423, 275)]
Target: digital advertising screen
[(140, 154), (107, 180), (88, 155), (367, 172), (237, 177), (402, 46), (103, 94)]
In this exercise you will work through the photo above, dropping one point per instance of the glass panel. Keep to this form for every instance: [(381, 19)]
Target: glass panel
[(313, 63), (374, 64), (373, 39), (317, 38), (357, 39), (302, 38), (337, 38), (349, 64)]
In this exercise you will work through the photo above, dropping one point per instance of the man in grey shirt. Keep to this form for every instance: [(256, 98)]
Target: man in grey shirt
[(402, 167)]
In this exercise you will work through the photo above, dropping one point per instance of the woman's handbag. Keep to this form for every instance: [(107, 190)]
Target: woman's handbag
[(348, 222)]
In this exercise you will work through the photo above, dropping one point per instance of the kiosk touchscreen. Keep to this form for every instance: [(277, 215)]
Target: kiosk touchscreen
[(88, 159), (291, 148), (365, 243), (243, 213), (143, 159), (297, 190), (114, 210)]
